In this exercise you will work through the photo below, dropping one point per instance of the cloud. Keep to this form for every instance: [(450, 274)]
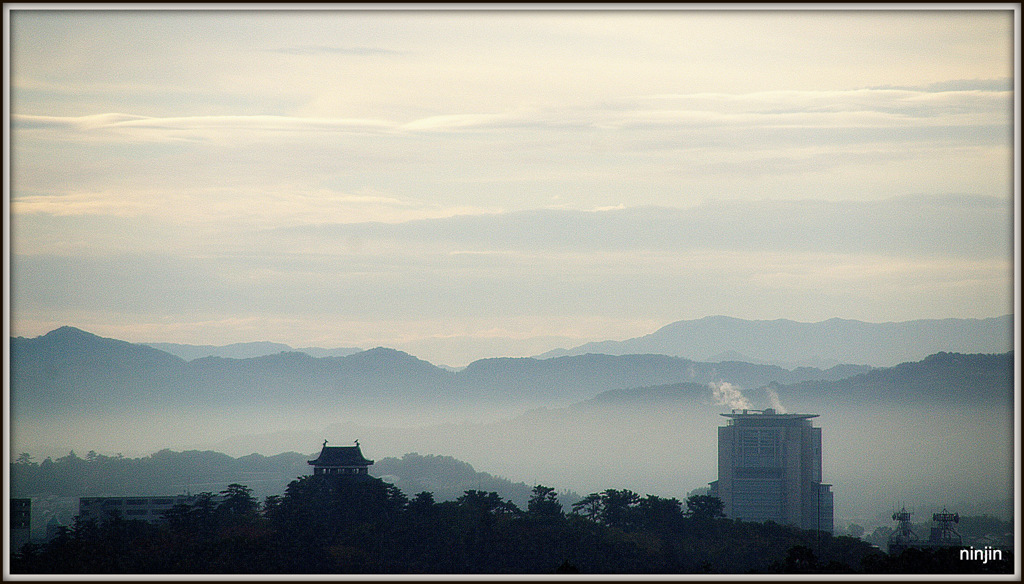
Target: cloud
[(459, 122), (822, 110), (951, 226), (1003, 84), (334, 50), (125, 127), (220, 209), (86, 203)]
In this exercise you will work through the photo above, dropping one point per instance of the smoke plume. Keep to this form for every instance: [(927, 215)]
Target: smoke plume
[(727, 394), (773, 398)]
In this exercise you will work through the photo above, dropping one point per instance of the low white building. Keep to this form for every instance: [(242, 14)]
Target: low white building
[(149, 509)]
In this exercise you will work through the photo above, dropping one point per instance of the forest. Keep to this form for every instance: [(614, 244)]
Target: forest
[(324, 524)]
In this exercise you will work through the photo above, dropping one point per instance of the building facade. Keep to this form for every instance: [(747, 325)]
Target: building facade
[(21, 523), (149, 509), (769, 468)]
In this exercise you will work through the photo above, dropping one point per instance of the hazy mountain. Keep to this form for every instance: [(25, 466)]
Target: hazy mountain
[(167, 472), (245, 350), (952, 379), (560, 380), (370, 378), (448, 478), (822, 344), (70, 370), (947, 379), (68, 373)]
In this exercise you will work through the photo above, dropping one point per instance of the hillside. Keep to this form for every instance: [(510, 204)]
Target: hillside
[(943, 379), (822, 344)]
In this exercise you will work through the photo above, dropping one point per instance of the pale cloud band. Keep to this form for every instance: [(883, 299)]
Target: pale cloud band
[(895, 108)]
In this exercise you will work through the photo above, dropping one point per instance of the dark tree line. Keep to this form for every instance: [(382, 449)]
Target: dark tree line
[(335, 525)]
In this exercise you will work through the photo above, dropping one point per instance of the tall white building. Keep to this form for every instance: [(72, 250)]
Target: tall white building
[(769, 468)]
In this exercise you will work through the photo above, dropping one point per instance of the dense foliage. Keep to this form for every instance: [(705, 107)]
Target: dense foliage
[(331, 525)]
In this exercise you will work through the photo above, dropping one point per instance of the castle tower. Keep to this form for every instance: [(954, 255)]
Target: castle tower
[(341, 460)]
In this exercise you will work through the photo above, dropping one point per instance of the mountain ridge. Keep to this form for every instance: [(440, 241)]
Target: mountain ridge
[(789, 343), (246, 350), (69, 370)]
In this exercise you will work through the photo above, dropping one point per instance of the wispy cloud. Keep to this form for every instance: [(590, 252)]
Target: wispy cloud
[(334, 50), (825, 110), (128, 127), (901, 226), (996, 85), (224, 209)]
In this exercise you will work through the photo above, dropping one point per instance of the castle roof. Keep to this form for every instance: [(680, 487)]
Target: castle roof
[(341, 456)]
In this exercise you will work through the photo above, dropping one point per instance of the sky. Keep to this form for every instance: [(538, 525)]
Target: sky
[(464, 184)]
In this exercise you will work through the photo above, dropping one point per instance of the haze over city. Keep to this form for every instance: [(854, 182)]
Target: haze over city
[(469, 184)]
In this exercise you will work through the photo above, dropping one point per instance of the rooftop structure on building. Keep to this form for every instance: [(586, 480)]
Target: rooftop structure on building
[(769, 469), (341, 461)]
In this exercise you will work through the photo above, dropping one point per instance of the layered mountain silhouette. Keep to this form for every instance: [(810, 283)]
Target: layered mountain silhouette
[(72, 372), (246, 350), (822, 344)]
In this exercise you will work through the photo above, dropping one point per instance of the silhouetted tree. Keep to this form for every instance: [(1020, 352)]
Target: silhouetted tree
[(617, 507), (237, 503), (544, 503), (422, 503), (704, 508), (800, 558), (658, 513), (589, 506)]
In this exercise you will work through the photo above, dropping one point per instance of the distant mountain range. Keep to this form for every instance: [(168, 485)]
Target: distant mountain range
[(246, 350), (822, 344), (70, 372)]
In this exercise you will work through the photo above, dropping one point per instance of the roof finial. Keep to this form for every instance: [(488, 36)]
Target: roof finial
[(357, 441), (325, 442)]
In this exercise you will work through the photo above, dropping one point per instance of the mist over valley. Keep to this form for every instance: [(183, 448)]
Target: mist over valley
[(935, 431)]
